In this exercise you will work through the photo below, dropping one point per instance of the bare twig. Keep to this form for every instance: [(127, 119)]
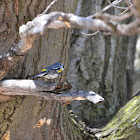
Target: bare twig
[(126, 10), (106, 8), (117, 18), (47, 90), (114, 3), (119, 7), (89, 34), (47, 10), (110, 17)]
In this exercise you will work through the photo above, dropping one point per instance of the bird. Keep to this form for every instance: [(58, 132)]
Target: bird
[(52, 71)]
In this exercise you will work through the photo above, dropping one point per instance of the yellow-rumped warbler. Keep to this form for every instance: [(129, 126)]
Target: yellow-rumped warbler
[(52, 71)]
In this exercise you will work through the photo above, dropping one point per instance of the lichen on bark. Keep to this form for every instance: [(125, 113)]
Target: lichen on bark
[(125, 124)]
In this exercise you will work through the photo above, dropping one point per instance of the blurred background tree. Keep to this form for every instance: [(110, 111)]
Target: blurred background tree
[(103, 64)]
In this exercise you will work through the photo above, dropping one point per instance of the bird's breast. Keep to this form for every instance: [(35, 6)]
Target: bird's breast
[(49, 76)]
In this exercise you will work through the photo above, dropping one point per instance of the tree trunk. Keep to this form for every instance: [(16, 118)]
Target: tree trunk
[(103, 64), (33, 109), (21, 113)]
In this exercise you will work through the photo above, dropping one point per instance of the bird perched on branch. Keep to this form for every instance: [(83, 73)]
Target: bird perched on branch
[(52, 71)]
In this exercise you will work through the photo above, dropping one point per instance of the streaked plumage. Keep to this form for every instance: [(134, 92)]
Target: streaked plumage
[(52, 71)]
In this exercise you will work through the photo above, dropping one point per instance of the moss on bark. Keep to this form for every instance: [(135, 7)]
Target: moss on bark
[(125, 123)]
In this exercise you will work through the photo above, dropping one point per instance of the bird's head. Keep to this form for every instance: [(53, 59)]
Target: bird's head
[(59, 67)]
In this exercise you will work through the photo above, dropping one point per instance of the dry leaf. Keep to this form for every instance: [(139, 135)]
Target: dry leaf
[(40, 123), (6, 136)]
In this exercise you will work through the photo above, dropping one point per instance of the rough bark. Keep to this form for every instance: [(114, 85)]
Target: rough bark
[(21, 113), (102, 63), (20, 123)]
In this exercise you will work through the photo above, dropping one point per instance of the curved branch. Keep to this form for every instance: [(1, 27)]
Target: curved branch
[(47, 90), (58, 20)]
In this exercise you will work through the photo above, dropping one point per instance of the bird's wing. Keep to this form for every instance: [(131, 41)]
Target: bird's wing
[(44, 70), (51, 72), (41, 74)]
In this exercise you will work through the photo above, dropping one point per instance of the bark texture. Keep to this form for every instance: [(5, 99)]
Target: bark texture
[(125, 125), (35, 109), (21, 113), (101, 63)]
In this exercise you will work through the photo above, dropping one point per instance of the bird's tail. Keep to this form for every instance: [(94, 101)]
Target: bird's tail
[(39, 75)]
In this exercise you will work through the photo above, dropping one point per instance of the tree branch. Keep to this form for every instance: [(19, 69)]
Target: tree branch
[(47, 90), (58, 20), (113, 17)]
